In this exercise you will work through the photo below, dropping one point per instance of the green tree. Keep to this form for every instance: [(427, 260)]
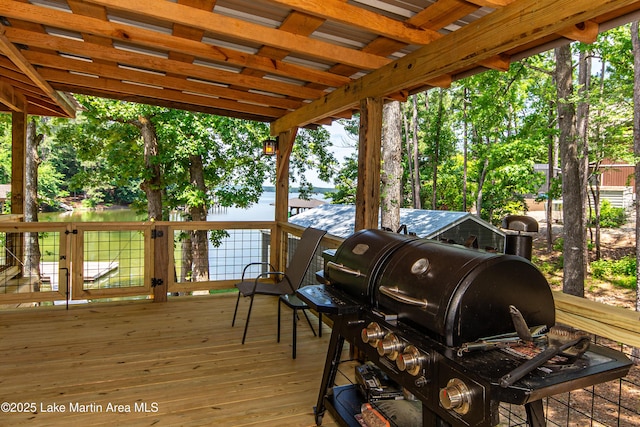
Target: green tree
[(502, 147), (5, 148), (345, 182)]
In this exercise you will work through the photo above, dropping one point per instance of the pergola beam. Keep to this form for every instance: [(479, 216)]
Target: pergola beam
[(376, 23), (96, 27), (9, 98), (224, 25), (504, 29), (13, 53)]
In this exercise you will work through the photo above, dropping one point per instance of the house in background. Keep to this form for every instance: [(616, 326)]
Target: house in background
[(617, 183)]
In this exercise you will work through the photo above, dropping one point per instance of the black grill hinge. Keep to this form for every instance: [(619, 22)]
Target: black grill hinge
[(156, 282), (156, 233), (71, 232)]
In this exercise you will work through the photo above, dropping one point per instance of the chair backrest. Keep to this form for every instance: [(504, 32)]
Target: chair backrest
[(303, 255)]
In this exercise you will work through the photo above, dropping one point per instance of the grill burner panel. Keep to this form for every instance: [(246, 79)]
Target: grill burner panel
[(420, 310)]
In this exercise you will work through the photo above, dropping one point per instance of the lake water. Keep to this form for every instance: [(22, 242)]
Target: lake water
[(264, 210)]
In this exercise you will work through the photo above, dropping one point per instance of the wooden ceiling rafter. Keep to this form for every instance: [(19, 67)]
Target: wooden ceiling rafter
[(246, 31), (10, 51), (49, 62), (133, 89), (297, 23), (148, 62), (345, 13), (465, 47), (101, 31), (10, 98), (263, 59)]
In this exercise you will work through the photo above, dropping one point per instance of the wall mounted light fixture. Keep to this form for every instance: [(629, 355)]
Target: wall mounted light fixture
[(269, 147)]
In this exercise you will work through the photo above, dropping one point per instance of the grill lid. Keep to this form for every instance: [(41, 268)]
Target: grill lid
[(452, 293)]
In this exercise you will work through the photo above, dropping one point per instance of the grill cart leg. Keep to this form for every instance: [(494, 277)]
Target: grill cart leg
[(331, 366), (535, 414)]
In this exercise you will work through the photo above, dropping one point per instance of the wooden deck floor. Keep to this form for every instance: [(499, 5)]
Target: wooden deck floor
[(167, 364)]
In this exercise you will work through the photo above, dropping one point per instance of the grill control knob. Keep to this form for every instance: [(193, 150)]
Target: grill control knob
[(456, 396), (410, 360), (372, 334), (389, 346)]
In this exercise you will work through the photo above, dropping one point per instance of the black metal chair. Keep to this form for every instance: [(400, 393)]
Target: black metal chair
[(286, 283)]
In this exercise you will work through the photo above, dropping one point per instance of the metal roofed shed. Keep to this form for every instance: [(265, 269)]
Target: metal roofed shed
[(455, 227)]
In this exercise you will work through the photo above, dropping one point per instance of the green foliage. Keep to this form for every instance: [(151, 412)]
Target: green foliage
[(106, 140), (610, 216), (450, 181), (5, 148), (620, 272), (558, 244), (346, 182), (91, 202)]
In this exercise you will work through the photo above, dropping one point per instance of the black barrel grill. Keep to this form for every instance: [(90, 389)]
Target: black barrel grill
[(460, 329)]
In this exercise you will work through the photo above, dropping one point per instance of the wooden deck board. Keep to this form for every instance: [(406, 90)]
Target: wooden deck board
[(182, 356)]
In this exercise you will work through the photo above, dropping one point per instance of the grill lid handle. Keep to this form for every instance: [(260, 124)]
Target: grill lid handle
[(394, 293), (343, 269)]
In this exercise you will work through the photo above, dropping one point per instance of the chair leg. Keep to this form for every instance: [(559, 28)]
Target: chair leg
[(233, 322), (279, 309), (295, 332), (246, 325), (320, 325)]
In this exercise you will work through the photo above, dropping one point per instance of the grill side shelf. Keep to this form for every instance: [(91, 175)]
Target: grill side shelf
[(325, 299)]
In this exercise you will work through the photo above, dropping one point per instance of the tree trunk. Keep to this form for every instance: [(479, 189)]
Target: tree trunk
[(572, 200), (582, 130), (595, 196), (436, 150), (199, 241), (482, 178), (152, 184), (391, 176), (551, 172), (186, 273), (635, 41), (408, 138), (596, 193), (417, 202), (465, 150), (32, 253)]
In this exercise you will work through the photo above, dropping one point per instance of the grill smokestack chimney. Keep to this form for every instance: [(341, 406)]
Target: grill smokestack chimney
[(519, 244)]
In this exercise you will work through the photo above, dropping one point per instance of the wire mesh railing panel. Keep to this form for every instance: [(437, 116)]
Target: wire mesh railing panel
[(30, 262), (203, 255), (113, 259)]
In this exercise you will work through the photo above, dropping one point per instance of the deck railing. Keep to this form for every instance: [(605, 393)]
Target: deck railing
[(79, 262), (95, 260), (84, 261)]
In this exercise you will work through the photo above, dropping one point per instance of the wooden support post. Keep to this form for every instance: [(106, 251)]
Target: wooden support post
[(18, 162), (160, 281), (285, 146), (369, 149)]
